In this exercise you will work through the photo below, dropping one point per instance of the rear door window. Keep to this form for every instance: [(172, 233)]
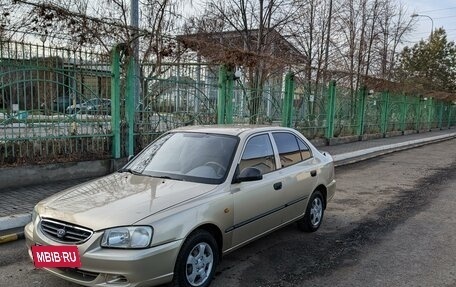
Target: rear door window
[(287, 145), (291, 148), (305, 150)]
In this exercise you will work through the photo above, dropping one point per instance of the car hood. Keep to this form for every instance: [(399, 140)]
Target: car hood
[(118, 199)]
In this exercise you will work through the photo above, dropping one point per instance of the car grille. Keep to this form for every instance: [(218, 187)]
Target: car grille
[(64, 232)]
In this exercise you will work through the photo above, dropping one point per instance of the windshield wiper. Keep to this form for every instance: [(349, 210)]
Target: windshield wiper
[(129, 170), (166, 177), (135, 172)]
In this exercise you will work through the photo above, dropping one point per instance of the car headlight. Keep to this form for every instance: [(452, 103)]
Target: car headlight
[(127, 237), (34, 215)]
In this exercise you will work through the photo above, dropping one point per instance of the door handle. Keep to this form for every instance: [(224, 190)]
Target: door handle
[(277, 185), (313, 173)]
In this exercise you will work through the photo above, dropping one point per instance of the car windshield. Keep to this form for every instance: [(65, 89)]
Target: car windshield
[(189, 156)]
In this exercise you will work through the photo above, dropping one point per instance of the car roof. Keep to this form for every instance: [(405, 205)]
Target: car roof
[(234, 130)]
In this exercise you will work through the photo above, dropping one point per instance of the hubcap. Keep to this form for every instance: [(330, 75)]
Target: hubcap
[(199, 264), (316, 211)]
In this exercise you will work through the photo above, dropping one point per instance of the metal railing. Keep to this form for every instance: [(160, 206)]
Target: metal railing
[(175, 95), (45, 94), (58, 104)]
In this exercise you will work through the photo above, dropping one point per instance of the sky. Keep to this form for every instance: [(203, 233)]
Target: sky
[(443, 13)]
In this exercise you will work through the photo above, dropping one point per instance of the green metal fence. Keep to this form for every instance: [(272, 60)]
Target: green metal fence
[(51, 106), (310, 108), (393, 113), (242, 103), (346, 114), (174, 95), (374, 105), (452, 116), (66, 105), (257, 106)]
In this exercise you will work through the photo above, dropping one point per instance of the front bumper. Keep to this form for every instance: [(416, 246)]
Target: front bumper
[(112, 267)]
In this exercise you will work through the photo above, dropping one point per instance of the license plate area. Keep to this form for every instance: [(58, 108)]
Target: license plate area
[(56, 256)]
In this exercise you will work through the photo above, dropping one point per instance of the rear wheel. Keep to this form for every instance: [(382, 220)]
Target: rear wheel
[(314, 213), (197, 260)]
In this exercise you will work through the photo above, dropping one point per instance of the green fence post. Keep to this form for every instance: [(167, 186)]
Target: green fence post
[(361, 110), (418, 113), (130, 104), (403, 113), (287, 106), (435, 114), (430, 114), (385, 108), (441, 115), (330, 108), (115, 100), (454, 114), (229, 96), (221, 99), (450, 109)]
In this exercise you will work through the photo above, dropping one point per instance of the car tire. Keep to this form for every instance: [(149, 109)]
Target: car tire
[(197, 261), (314, 213)]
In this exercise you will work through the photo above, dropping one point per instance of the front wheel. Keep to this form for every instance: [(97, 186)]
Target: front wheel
[(314, 213), (197, 260)]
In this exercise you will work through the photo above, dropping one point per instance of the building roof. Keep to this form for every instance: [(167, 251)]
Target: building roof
[(240, 47)]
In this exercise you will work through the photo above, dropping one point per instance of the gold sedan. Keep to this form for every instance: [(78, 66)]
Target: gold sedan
[(191, 196)]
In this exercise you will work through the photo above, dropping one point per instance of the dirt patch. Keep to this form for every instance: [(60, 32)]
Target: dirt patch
[(324, 252)]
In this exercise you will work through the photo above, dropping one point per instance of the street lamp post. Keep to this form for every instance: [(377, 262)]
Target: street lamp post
[(432, 21)]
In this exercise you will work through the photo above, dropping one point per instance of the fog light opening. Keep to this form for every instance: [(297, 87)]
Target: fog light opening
[(116, 279)]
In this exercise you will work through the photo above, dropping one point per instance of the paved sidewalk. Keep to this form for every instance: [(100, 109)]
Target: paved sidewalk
[(361, 150), (16, 204), (362, 145), (22, 200)]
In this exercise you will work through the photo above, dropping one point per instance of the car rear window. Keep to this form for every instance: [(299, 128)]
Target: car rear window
[(291, 149)]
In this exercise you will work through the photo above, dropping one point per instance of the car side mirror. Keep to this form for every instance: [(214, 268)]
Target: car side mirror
[(249, 174)]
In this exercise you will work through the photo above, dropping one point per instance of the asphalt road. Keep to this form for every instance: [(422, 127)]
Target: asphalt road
[(391, 223)]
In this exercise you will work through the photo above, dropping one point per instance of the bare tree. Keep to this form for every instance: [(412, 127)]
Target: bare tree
[(9, 24), (4, 20), (366, 36), (393, 30), (256, 25), (309, 33), (363, 39), (102, 24), (350, 25)]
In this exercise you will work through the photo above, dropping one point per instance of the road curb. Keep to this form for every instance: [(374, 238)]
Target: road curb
[(365, 154), (11, 237), (15, 221), (12, 222)]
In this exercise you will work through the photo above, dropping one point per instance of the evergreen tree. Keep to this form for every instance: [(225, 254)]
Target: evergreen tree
[(429, 65)]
